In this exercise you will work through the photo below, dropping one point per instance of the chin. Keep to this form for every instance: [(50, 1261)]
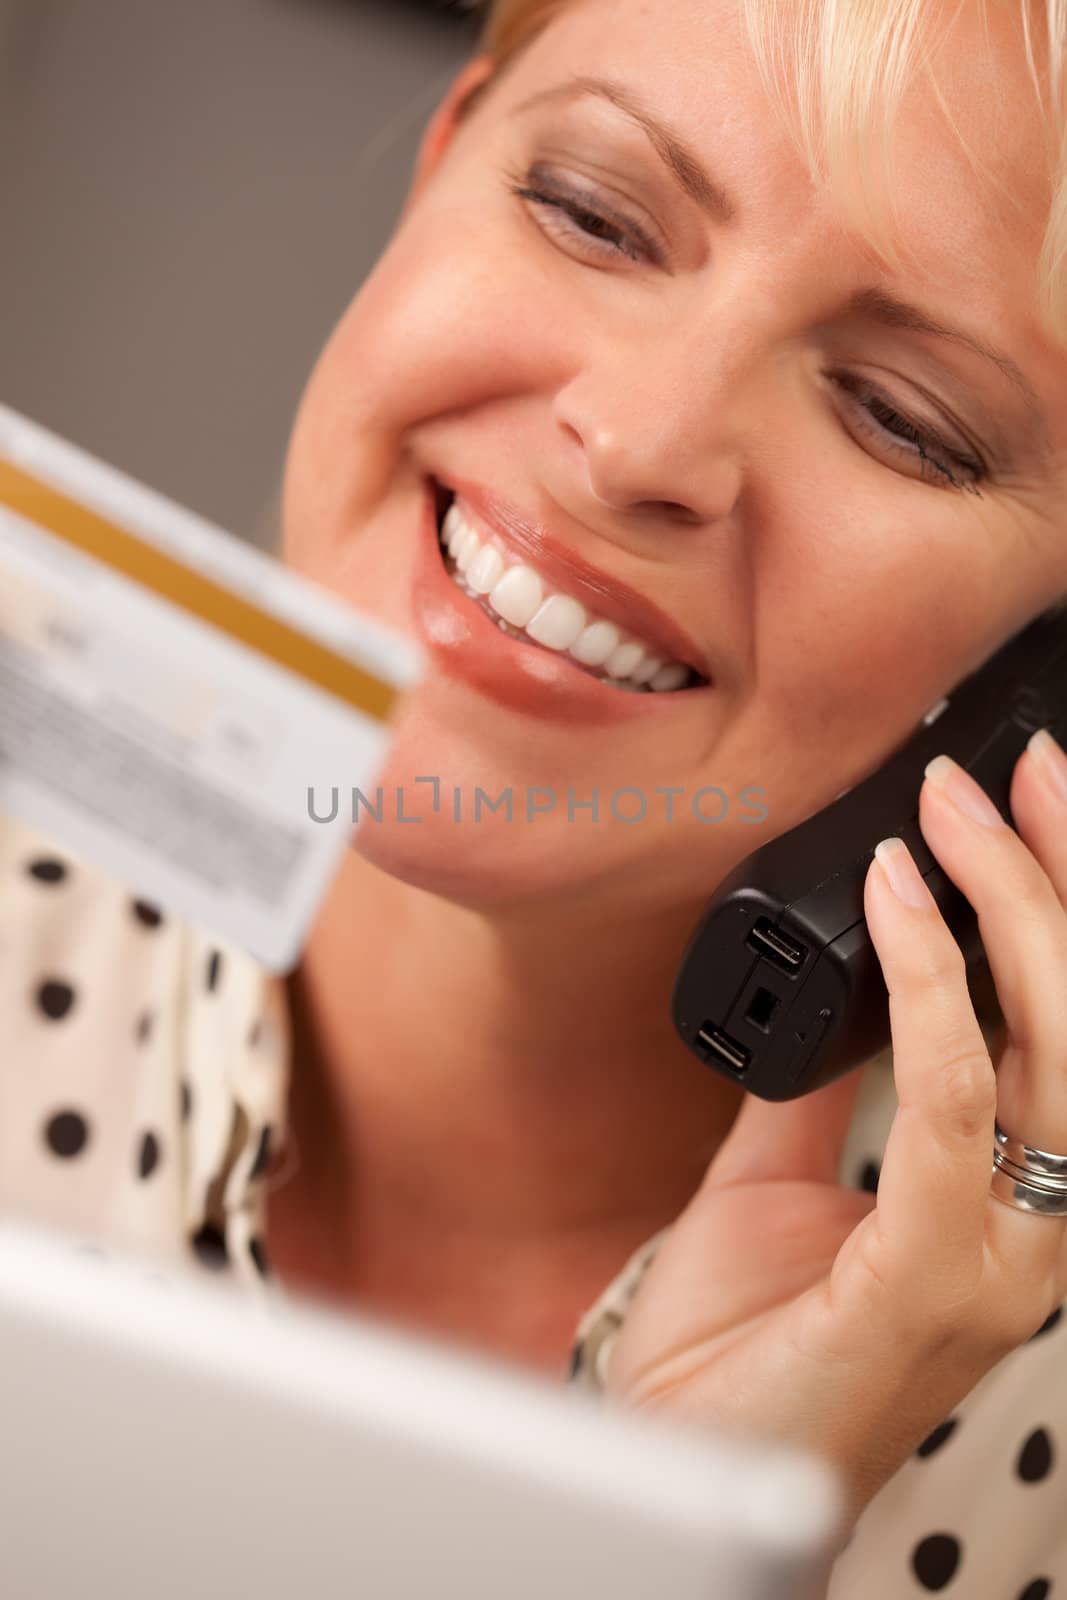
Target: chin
[(482, 862), (478, 868)]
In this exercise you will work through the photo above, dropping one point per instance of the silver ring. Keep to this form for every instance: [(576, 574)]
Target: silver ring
[(1027, 1178), (1028, 1158)]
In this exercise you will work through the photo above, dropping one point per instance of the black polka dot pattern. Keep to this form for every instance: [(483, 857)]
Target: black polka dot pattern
[(870, 1172), (1053, 1320), (148, 1155), (55, 999), (66, 1134), (148, 915), (941, 1435), (48, 869), (172, 1036), (209, 1246), (935, 1560), (259, 1165), (1034, 1462)]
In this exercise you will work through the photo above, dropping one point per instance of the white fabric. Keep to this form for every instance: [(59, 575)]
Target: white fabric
[(143, 1074)]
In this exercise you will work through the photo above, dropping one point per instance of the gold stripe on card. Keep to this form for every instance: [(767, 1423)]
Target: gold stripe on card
[(144, 564)]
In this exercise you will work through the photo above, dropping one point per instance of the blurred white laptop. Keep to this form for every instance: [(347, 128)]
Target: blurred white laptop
[(170, 1437)]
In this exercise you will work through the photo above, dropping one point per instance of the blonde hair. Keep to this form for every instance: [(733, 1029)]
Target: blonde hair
[(837, 71)]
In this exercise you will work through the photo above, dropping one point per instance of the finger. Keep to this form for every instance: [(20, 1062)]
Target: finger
[(801, 1138), (1023, 926), (933, 1191), (1020, 898), (1038, 802)]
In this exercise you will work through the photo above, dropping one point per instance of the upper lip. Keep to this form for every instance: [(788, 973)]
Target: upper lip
[(606, 596)]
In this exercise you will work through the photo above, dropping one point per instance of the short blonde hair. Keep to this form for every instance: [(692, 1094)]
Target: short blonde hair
[(840, 68)]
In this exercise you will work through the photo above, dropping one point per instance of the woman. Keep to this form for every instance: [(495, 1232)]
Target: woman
[(757, 419)]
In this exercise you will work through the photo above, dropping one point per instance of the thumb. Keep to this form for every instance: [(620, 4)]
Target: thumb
[(798, 1139)]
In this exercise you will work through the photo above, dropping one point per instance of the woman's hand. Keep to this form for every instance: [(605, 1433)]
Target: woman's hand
[(852, 1325)]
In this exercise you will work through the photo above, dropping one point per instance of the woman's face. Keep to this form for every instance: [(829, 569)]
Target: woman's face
[(656, 363)]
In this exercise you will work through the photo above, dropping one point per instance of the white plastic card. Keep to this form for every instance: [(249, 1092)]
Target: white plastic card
[(171, 699)]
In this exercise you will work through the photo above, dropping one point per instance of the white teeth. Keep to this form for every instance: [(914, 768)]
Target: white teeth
[(647, 669), (485, 570), (459, 536), (558, 623), (596, 644), (516, 596), (670, 677), (466, 549), (452, 526), (621, 662)]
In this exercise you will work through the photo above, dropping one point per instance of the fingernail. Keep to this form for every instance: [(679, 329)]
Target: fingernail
[(1051, 762), (905, 879), (962, 790)]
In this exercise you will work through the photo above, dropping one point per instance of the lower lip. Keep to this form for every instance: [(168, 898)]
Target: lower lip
[(466, 644)]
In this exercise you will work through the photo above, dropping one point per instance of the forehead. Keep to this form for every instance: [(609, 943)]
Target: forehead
[(971, 205)]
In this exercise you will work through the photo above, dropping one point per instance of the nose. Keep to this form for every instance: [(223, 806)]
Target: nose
[(643, 444)]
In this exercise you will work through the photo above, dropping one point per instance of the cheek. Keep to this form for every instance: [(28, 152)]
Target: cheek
[(855, 637), (439, 328), (865, 591), (433, 334), (863, 656)]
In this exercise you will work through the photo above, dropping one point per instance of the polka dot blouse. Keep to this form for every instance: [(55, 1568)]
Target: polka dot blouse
[(143, 1073)]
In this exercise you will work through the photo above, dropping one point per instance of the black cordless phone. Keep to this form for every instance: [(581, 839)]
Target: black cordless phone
[(780, 988)]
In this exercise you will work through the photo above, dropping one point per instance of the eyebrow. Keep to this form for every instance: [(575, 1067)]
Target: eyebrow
[(685, 164), (688, 168), (879, 306), (875, 304)]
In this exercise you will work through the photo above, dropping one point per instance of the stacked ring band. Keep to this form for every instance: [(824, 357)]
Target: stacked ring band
[(1028, 1178)]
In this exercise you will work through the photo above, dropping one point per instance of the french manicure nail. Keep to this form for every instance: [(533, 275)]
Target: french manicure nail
[(1051, 761), (905, 879), (962, 790)]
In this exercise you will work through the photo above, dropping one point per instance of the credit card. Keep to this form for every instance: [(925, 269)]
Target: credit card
[(176, 707)]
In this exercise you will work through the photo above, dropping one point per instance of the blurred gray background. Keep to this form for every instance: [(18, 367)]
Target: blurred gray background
[(190, 194)]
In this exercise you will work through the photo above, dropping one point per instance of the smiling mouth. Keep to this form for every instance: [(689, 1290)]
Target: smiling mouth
[(530, 609)]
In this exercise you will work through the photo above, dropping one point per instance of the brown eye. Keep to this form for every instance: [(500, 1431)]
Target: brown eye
[(586, 222), (935, 459)]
